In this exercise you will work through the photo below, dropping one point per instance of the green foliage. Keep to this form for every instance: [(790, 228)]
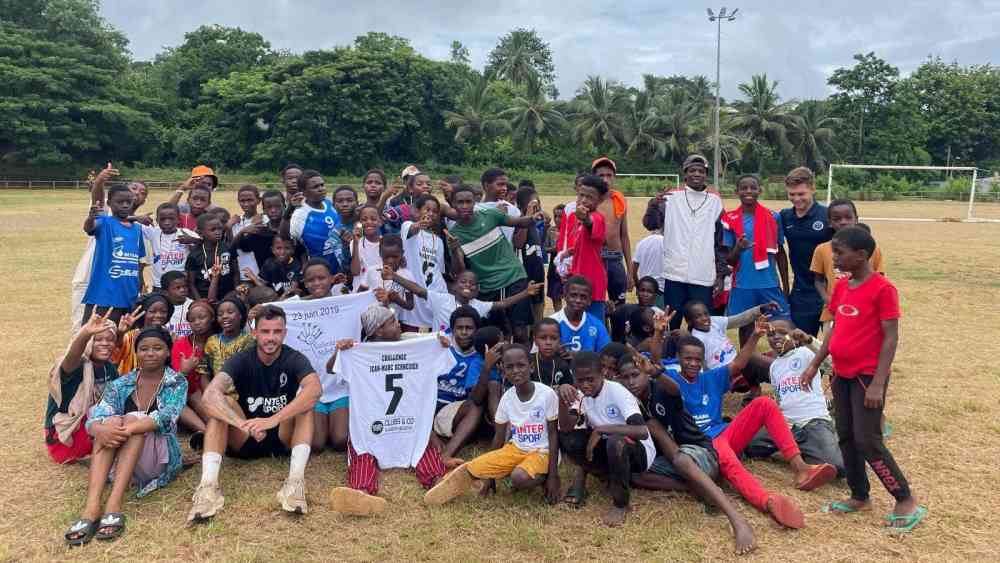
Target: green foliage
[(521, 55)]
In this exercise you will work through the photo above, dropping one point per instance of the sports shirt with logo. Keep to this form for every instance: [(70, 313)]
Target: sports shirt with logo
[(393, 394), (589, 335), (487, 251), (858, 313), (529, 429), (615, 405), (264, 390)]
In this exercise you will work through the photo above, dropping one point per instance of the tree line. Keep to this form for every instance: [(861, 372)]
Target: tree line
[(72, 95)]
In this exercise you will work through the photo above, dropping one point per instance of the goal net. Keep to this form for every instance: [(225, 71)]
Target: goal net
[(917, 193)]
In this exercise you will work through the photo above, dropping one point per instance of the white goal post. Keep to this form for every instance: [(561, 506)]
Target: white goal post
[(676, 177), (972, 191)]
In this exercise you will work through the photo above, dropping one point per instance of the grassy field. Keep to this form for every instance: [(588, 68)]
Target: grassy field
[(942, 404)]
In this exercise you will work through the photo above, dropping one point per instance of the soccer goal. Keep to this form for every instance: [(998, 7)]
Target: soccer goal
[(676, 177), (970, 214)]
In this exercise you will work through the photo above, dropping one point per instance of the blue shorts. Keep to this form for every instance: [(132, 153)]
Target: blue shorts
[(706, 460), (741, 299), (327, 408)]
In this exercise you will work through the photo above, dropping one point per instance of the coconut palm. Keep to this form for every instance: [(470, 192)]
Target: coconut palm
[(599, 114), (680, 119), (532, 116), (763, 117), (813, 132), (477, 116)]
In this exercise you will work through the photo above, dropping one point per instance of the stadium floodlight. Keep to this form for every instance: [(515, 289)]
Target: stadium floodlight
[(717, 158), (970, 217), (711, 14)]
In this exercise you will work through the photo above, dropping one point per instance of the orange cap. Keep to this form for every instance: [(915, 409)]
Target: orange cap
[(603, 160), (202, 170)]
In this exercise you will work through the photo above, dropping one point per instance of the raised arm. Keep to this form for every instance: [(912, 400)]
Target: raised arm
[(409, 285), (747, 350), (534, 288)]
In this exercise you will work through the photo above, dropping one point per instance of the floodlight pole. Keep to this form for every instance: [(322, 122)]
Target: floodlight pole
[(717, 160)]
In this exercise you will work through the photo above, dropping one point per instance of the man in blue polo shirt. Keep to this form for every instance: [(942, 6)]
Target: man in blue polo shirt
[(805, 226)]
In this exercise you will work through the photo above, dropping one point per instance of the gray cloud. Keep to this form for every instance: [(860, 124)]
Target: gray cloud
[(796, 43)]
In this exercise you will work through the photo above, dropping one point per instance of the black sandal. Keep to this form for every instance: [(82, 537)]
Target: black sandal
[(115, 521), (82, 526)]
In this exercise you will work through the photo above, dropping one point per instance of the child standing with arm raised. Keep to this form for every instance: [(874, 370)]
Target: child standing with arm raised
[(863, 343)]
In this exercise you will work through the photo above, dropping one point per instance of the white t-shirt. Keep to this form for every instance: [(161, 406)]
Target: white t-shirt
[(373, 280), (315, 325), (369, 256), (444, 304), (424, 254), (169, 255), (512, 211), (529, 420), (393, 396), (178, 324), (689, 236), (798, 405), (614, 405), (649, 256), (246, 259), (719, 350)]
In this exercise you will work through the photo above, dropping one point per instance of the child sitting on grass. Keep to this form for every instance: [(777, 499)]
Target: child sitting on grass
[(862, 344), (528, 412)]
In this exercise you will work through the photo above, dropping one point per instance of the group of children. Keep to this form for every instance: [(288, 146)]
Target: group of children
[(639, 405)]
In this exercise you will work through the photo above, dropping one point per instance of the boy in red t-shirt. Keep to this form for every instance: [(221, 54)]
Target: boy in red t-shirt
[(862, 343), (586, 231)]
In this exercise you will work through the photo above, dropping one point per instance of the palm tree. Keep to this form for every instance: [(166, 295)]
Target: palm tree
[(813, 132), (532, 116), (641, 128), (599, 115), (477, 116), (732, 144), (763, 117), (701, 90), (680, 121)]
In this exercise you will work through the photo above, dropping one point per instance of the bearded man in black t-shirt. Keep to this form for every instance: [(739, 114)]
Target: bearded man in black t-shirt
[(260, 405), (685, 457)]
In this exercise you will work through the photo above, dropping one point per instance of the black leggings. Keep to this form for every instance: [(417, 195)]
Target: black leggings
[(615, 456), (860, 435)]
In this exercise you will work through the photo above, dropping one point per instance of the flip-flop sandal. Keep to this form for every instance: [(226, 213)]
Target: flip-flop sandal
[(819, 476), (784, 511), (910, 521), (576, 497), (82, 526), (113, 520), (838, 507)]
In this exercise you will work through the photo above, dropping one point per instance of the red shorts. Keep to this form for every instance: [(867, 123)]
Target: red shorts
[(61, 453)]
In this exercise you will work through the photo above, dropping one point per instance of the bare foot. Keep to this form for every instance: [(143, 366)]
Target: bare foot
[(848, 506), (615, 517), (745, 541)]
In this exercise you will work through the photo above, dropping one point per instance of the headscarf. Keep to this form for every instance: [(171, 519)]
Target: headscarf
[(374, 317), (154, 332)]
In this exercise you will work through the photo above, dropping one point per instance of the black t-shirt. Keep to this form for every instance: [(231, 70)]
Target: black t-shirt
[(265, 390), (260, 245), (669, 411), (281, 276), (203, 272), (804, 234), (620, 321)]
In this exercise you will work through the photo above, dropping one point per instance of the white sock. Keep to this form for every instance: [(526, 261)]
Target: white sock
[(300, 456), (211, 462)]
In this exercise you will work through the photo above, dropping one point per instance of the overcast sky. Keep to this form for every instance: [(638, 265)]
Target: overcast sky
[(796, 43)]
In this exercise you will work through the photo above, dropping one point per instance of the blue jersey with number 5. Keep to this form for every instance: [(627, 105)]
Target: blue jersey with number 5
[(590, 335)]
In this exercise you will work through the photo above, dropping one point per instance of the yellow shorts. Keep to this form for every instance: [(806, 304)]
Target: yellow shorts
[(501, 463)]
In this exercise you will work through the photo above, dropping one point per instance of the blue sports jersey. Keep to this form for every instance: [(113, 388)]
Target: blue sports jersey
[(114, 273), (456, 384), (319, 230), (703, 398), (746, 275), (590, 335)]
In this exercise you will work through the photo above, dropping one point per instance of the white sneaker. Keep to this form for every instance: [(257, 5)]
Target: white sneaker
[(292, 496), (207, 500)]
